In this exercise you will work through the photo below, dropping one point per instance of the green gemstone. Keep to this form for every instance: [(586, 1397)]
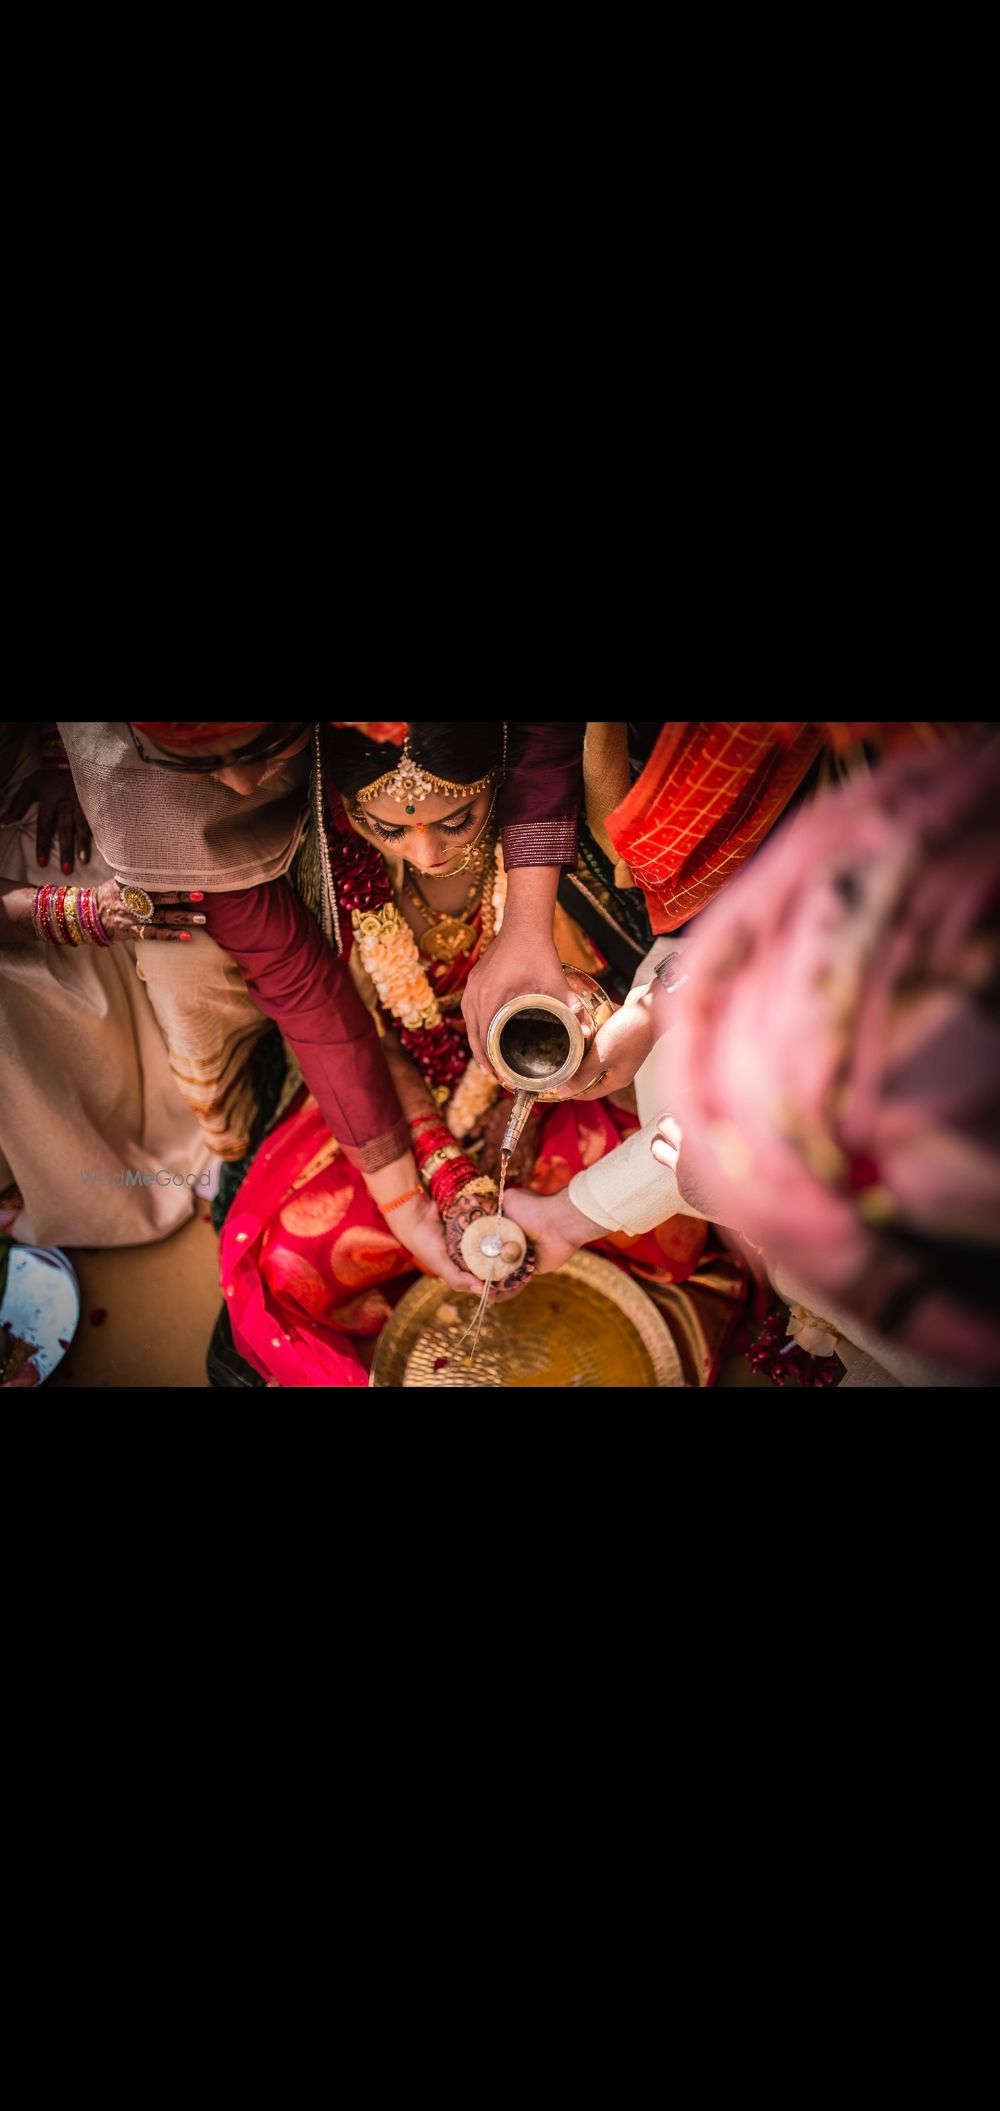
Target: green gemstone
[(411, 809)]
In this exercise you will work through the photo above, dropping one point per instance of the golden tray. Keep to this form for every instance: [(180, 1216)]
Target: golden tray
[(585, 1324)]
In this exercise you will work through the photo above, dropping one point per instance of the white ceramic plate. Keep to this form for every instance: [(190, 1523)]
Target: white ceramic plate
[(41, 1304)]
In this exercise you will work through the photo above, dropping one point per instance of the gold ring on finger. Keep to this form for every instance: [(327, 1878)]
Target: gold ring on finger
[(138, 903)]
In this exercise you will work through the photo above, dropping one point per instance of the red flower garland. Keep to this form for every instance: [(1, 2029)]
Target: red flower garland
[(781, 1362), (439, 1051), (359, 875)]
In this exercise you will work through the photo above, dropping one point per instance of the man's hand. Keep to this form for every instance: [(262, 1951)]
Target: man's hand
[(553, 1222), (666, 1143), (59, 815), (523, 957)]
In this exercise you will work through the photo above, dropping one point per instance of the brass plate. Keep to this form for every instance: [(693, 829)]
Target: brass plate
[(585, 1324)]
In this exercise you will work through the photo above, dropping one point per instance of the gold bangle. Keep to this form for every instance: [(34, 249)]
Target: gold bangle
[(439, 1158), (482, 1185), (72, 919)]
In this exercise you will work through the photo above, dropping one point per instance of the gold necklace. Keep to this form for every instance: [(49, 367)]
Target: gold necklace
[(446, 936)]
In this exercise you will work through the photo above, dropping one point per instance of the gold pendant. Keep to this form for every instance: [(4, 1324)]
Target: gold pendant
[(447, 939)]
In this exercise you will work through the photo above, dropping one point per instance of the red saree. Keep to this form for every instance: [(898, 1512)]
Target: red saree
[(310, 1268)]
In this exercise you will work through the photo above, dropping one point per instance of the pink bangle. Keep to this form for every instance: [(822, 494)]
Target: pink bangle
[(91, 917), (47, 916), (57, 915), (84, 912), (42, 900)]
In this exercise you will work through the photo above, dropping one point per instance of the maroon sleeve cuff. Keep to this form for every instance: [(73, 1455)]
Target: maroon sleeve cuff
[(540, 802), (297, 979), (371, 1157), (541, 843)]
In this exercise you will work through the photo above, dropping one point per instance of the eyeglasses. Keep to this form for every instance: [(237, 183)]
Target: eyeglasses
[(268, 743)]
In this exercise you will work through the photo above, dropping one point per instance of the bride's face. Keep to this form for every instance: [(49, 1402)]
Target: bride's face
[(433, 838)]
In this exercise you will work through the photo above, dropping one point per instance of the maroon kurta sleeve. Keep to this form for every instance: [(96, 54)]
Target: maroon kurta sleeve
[(540, 802), (297, 979)]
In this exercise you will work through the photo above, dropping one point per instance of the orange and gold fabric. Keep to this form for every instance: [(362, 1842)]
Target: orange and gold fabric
[(708, 796)]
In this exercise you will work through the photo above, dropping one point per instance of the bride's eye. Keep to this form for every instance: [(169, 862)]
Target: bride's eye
[(387, 834)]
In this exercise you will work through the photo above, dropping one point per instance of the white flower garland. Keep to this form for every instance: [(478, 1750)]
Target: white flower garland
[(389, 952)]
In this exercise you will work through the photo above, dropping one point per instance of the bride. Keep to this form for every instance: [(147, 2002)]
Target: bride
[(407, 879)]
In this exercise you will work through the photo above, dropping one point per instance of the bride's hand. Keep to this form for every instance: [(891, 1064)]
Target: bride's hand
[(61, 818), (418, 1227), (458, 1216)]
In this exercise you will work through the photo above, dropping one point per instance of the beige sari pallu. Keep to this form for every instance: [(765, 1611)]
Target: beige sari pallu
[(170, 831), (85, 1084)]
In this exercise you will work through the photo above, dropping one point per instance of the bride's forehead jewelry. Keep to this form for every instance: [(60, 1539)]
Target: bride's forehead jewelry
[(409, 782)]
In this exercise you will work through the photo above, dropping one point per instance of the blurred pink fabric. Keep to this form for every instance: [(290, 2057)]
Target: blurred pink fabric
[(835, 1067)]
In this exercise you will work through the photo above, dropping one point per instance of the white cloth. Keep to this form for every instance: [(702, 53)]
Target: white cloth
[(629, 1190)]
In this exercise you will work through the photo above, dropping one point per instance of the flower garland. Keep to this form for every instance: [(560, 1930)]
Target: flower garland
[(471, 1097), (389, 953), (815, 1367)]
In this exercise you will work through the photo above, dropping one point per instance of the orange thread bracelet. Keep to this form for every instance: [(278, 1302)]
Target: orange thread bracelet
[(385, 1207)]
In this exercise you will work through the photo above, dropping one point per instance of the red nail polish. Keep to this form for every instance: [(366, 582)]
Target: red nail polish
[(196, 895), (67, 868), (43, 860), (185, 937)]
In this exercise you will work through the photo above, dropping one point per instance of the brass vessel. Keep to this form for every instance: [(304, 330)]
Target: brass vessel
[(537, 1043)]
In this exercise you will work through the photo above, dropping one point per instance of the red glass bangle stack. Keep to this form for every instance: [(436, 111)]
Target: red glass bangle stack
[(48, 916), (90, 916), (430, 1137)]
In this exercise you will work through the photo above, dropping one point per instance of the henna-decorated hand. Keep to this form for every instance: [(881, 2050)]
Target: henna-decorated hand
[(458, 1216), (166, 922), (60, 817)]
